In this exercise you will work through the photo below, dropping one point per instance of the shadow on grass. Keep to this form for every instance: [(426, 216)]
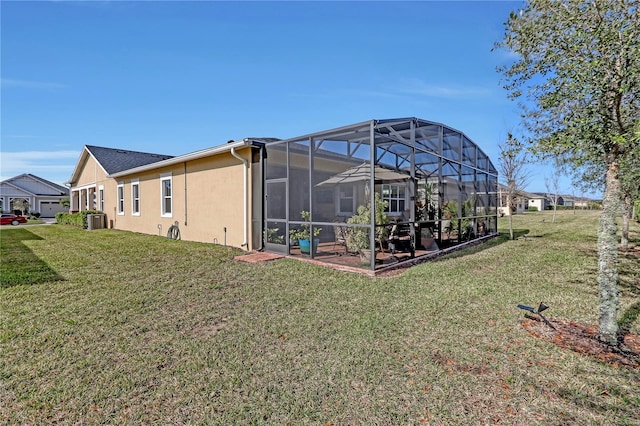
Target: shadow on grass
[(629, 317), (18, 264), (517, 233), (600, 404), (628, 269)]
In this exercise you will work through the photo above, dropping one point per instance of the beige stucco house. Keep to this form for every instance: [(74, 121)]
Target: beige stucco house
[(437, 187), (207, 193)]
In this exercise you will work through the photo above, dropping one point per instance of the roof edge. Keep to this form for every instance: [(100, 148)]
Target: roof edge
[(190, 156)]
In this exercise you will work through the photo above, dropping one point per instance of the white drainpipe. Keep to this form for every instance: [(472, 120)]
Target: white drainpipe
[(246, 190)]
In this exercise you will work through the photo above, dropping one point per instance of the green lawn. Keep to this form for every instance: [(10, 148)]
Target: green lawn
[(121, 328)]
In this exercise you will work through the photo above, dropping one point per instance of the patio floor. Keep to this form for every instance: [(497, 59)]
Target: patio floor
[(330, 256)]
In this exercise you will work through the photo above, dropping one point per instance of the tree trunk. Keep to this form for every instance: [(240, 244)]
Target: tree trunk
[(511, 226), (608, 257), (627, 208), (555, 208)]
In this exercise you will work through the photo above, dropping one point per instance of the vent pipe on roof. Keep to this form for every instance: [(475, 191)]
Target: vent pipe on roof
[(246, 191)]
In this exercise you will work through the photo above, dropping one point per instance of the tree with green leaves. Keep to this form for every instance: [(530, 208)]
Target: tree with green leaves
[(577, 75), (20, 204), (513, 173)]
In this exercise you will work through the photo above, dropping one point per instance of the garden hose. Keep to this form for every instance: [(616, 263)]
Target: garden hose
[(174, 232)]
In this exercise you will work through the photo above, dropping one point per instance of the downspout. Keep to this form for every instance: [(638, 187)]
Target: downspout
[(185, 194), (246, 191)]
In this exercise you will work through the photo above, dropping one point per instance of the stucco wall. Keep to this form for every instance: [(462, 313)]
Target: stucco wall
[(205, 201), (91, 173)]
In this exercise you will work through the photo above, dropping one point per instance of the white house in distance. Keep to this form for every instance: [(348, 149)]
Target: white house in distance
[(42, 196), (539, 201), (524, 200)]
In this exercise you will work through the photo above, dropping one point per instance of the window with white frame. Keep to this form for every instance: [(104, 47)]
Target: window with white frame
[(135, 197), (120, 198), (396, 197), (346, 200), (166, 195), (101, 197)]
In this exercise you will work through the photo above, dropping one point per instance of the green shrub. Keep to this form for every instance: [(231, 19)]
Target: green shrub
[(73, 219), (533, 209), (636, 210), (78, 219)]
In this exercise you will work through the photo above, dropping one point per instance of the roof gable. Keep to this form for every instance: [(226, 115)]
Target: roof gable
[(36, 185), (8, 189), (53, 185), (116, 160)]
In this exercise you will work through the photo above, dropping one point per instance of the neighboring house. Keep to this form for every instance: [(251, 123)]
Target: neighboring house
[(252, 192), (559, 198), (573, 201), (539, 201), (582, 202), (568, 200), (42, 196), (521, 201)]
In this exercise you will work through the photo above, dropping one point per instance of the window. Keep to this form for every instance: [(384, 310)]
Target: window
[(166, 195), (135, 197), (120, 198), (101, 198), (395, 196), (346, 200)]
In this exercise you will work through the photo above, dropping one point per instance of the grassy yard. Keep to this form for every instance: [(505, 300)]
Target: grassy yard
[(120, 328)]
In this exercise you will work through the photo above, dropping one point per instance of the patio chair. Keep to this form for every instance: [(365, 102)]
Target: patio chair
[(399, 238)]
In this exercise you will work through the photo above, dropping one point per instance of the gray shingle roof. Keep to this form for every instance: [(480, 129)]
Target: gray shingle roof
[(116, 160)]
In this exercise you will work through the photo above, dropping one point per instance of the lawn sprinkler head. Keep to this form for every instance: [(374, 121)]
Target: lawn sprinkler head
[(541, 307)]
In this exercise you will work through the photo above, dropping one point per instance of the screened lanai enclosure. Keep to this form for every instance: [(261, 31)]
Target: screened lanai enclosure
[(377, 193)]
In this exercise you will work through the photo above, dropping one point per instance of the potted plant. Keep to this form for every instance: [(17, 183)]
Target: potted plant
[(302, 234), (274, 236), (424, 208), (358, 238)]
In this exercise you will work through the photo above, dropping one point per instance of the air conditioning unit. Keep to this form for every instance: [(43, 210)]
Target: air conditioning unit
[(95, 221)]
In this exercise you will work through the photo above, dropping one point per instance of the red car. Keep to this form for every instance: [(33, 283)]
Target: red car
[(12, 219)]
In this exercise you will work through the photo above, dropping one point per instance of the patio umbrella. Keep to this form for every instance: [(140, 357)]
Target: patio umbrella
[(363, 173)]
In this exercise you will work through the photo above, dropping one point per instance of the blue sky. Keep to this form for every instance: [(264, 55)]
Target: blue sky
[(176, 77)]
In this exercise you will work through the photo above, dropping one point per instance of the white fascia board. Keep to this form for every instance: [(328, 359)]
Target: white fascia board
[(80, 188), (82, 160), (182, 158)]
